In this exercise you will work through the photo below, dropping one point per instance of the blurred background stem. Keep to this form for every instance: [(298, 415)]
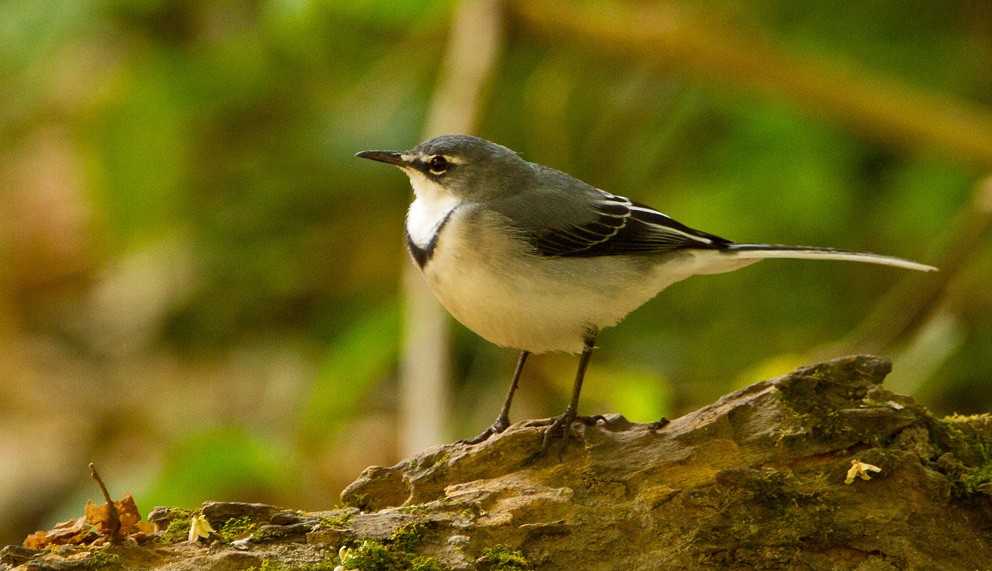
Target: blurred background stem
[(472, 51)]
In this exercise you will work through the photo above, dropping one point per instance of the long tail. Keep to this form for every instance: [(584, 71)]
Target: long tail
[(764, 251)]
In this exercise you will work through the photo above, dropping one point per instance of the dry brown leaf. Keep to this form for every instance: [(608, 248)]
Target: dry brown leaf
[(37, 540), (93, 526), (72, 532), (128, 511), (99, 515)]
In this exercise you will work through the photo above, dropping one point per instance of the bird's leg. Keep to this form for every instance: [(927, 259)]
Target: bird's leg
[(561, 425), (503, 420)]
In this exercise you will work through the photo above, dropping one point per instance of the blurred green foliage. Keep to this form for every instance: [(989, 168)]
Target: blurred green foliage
[(229, 128)]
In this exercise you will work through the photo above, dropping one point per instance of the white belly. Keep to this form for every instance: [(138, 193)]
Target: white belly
[(495, 287)]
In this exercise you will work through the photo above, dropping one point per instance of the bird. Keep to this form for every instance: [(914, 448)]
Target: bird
[(531, 258)]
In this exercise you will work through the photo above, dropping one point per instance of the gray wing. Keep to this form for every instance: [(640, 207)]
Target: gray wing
[(568, 218)]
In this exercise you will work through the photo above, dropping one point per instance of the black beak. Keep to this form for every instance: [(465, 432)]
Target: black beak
[(388, 157)]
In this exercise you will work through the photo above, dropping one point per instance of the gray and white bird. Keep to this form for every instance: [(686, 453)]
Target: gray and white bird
[(531, 258)]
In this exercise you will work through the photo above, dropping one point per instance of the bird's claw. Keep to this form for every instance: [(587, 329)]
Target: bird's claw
[(558, 429), (586, 420), (560, 426), (500, 425)]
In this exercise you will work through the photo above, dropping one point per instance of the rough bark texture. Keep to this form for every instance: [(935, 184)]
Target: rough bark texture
[(753, 481)]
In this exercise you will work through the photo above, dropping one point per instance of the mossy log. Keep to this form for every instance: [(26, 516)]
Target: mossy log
[(819, 469)]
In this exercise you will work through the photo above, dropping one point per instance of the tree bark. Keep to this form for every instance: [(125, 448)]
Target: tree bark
[(819, 469)]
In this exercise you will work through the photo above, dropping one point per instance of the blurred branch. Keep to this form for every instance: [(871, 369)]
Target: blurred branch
[(471, 53), (694, 43), (476, 34)]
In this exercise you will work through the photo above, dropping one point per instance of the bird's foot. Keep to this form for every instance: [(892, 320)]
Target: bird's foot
[(501, 424), (558, 430), (559, 427), (586, 420)]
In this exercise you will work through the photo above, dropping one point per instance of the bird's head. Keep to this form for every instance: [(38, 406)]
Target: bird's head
[(468, 168)]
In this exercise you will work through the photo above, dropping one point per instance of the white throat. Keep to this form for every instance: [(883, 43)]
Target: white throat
[(429, 209)]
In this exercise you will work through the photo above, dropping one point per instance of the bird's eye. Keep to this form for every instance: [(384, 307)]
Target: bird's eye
[(437, 164)]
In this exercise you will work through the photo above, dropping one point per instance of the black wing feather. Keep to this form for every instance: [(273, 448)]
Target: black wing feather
[(619, 226)]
